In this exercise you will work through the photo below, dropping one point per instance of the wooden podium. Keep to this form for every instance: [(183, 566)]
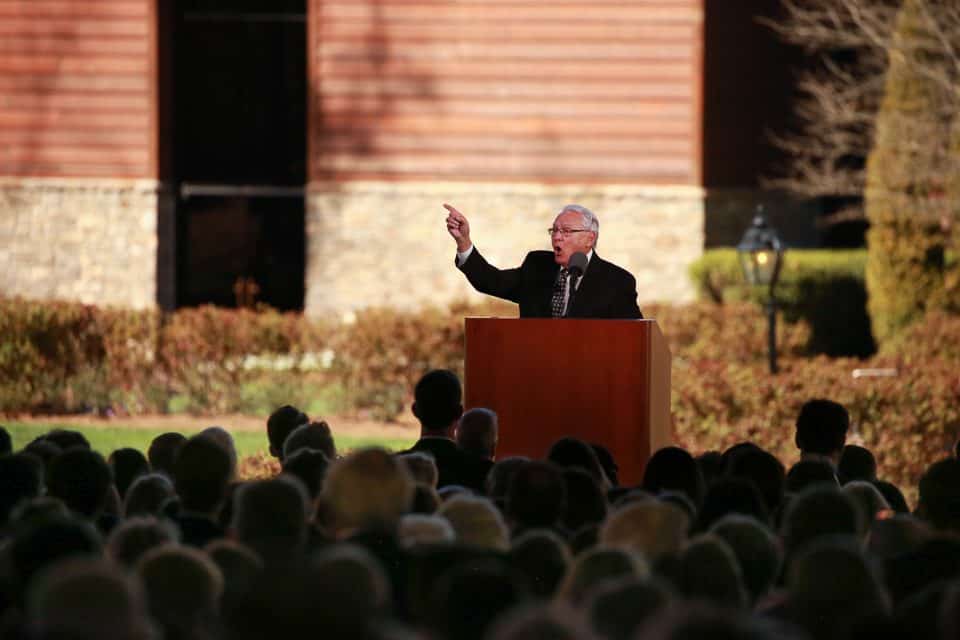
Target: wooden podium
[(603, 381)]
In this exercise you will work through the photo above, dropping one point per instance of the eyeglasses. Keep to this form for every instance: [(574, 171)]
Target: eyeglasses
[(566, 233)]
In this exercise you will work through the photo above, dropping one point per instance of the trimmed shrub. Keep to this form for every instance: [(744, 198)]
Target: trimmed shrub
[(735, 332), (209, 355), (381, 354), (823, 287), (58, 356)]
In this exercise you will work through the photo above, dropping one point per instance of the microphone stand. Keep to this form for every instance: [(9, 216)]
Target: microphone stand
[(573, 292)]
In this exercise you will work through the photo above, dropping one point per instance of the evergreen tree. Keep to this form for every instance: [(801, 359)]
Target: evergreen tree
[(907, 185)]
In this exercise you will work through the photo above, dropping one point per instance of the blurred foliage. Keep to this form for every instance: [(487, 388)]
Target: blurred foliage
[(823, 287)]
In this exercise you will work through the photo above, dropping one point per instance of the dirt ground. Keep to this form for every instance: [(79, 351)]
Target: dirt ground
[(341, 425)]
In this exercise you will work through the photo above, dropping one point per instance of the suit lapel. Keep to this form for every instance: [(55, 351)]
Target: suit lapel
[(584, 300), (546, 276)]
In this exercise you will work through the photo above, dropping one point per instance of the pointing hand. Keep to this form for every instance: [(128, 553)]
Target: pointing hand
[(458, 228)]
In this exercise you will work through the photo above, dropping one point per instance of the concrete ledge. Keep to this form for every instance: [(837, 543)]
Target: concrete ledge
[(92, 241)]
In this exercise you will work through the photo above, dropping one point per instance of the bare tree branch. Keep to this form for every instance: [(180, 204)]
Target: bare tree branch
[(852, 42)]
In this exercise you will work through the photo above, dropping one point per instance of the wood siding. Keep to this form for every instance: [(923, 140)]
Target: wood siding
[(551, 90), (78, 88)]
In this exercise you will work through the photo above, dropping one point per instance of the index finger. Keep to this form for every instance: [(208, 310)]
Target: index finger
[(452, 210)]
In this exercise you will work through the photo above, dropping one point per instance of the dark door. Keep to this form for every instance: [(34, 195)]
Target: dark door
[(239, 151)]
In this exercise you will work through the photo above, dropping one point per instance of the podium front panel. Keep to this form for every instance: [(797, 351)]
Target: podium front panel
[(601, 381)]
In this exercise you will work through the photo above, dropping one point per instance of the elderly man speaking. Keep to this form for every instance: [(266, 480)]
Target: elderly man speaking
[(571, 281)]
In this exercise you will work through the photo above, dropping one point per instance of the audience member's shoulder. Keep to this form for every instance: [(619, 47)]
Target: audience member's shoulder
[(435, 446)]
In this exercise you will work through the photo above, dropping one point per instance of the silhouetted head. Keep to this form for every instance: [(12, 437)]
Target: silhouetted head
[(183, 587), (620, 607), (134, 537), (437, 401), (732, 495), (426, 499), (281, 424), (541, 557), (572, 453), (127, 465), (476, 522), (939, 501), (674, 469), (833, 588), (310, 467), (6, 442), (163, 451), (652, 527), (270, 517), (469, 597), (313, 435), (422, 467), (868, 499), (60, 603), (416, 529), (224, 440), (811, 472), (817, 512), (764, 470), (43, 450), (67, 439), (540, 622), (757, 550), (537, 496), (822, 428), (201, 474), (21, 478), (477, 432), (82, 479), (367, 489), (856, 463), (46, 543), (712, 465), (500, 476), (586, 500), (147, 495), (709, 570), (594, 567), (608, 463), (893, 495)]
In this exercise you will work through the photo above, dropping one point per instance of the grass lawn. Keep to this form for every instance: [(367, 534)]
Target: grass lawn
[(107, 439)]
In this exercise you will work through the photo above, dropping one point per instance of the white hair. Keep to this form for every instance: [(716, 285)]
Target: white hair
[(423, 529), (590, 220)]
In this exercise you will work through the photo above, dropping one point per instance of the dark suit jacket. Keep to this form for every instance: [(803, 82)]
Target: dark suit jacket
[(605, 291), (454, 465)]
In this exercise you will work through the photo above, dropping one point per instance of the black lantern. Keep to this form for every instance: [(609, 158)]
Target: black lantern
[(761, 255)]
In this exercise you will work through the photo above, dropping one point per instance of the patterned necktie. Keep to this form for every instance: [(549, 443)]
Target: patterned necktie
[(559, 293)]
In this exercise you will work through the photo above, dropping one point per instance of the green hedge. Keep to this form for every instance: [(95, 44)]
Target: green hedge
[(825, 288)]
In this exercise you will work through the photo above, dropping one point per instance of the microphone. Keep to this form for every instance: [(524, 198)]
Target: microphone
[(576, 264)]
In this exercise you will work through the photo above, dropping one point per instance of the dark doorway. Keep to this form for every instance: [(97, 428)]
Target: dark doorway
[(239, 84)]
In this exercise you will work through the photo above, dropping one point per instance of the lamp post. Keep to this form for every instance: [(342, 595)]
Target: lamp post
[(761, 255)]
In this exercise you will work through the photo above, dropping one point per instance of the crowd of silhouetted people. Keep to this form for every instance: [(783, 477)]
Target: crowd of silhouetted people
[(447, 541)]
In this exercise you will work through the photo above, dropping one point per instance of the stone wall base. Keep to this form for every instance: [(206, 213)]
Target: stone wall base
[(93, 241), (385, 244)]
